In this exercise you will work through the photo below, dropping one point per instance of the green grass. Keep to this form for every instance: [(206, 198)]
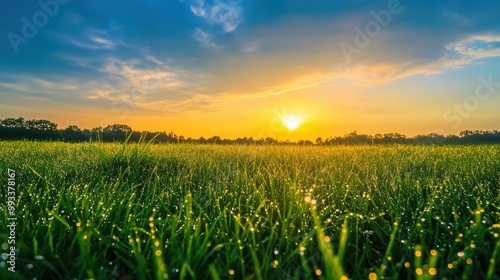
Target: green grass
[(123, 211)]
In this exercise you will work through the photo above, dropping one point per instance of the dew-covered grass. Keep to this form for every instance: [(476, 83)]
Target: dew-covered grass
[(128, 211)]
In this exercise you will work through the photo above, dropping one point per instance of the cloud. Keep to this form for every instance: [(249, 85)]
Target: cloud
[(454, 55), (93, 39), (205, 39), (251, 47), (102, 42), (187, 103), (224, 13), (33, 84), (159, 88), (144, 83), (476, 47)]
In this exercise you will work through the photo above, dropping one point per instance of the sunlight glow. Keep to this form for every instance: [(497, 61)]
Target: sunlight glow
[(291, 123)]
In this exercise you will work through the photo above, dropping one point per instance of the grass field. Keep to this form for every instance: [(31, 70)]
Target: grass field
[(122, 211)]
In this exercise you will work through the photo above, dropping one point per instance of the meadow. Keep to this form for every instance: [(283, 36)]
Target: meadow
[(186, 211)]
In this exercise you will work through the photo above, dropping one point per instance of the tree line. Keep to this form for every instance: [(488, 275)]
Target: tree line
[(19, 128)]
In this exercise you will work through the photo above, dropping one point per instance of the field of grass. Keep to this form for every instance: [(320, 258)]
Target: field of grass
[(123, 211)]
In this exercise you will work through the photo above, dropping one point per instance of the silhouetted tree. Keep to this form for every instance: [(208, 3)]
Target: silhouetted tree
[(73, 133), (13, 122), (18, 128), (42, 125)]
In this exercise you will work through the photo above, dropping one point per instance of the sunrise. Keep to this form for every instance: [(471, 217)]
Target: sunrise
[(237, 139), (197, 68)]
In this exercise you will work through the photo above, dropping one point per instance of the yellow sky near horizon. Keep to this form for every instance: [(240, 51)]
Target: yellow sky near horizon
[(324, 111)]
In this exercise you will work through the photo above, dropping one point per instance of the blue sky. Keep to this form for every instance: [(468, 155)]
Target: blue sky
[(197, 60)]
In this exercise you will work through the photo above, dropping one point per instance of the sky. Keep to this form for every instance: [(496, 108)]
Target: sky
[(236, 68)]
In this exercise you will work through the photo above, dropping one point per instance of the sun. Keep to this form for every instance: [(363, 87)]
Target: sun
[(292, 123)]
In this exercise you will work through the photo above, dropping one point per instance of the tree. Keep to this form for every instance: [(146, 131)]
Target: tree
[(43, 125), (118, 128), (74, 133), (13, 122), (116, 132), (97, 129), (466, 133), (214, 139), (73, 128)]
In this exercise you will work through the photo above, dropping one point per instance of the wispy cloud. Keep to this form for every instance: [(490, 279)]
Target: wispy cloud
[(251, 47), (227, 14), (476, 47), (458, 54), (205, 39), (93, 39), (144, 83), (188, 103), (33, 84)]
